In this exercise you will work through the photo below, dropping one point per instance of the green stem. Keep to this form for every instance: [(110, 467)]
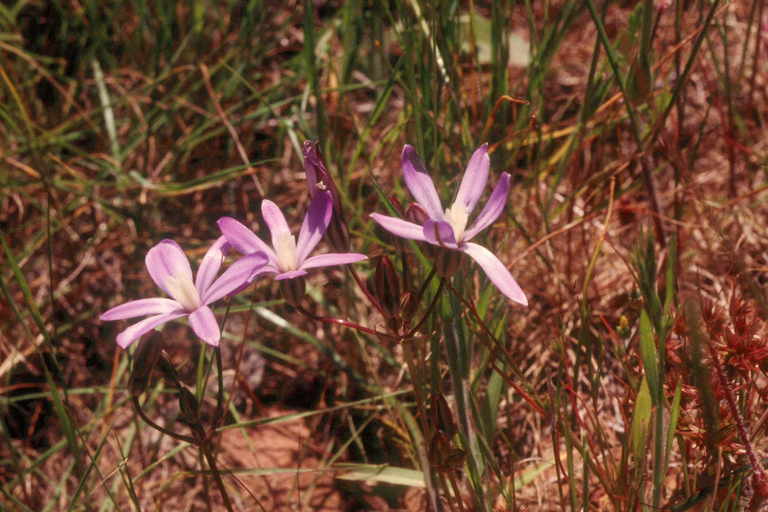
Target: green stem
[(426, 468)]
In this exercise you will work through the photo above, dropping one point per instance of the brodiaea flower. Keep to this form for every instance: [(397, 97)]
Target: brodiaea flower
[(448, 229), (169, 268), (319, 179), (289, 258)]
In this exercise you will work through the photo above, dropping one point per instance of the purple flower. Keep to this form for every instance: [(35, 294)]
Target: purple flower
[(319, 179), (288, 258), (448, 229), (169, 268)]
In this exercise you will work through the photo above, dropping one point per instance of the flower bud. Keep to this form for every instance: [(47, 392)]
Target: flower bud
[(189, 406), (314, 166), (337, 233), (318, 178), (384, 285), (440, 414), (416, 214), (293, 290), (144, 361)]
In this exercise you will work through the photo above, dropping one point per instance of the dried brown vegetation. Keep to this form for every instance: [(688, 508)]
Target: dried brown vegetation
[(124, 126)]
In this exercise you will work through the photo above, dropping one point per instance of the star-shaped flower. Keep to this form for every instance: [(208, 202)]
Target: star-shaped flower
[(289, 259), (169, 268), (448, 229)]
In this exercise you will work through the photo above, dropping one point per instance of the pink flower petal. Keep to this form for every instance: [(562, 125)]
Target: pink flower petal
[(135, 331), (496, 271), (419, 182), (439, 233), (275, 219), (141, 307), (210, 265), (239, 275), (167, 261), (291, 274), (492, 208), (203, 322), (315, 223), (475, 178), (266, 269), (400, 227), (243, 239), (332, 258)]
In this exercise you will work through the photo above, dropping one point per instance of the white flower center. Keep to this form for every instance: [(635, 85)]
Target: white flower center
[(457, 216), (184, 292), (285, 250)]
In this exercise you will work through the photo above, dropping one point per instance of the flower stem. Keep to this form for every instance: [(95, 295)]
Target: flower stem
[(148, 421), (456, 490), (414, 370), (205, 447), (429, 309), (342, 322), (201, 439), (220, 392), (496, 344), (364, 289)]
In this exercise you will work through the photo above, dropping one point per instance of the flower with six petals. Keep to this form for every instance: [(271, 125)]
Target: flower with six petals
[(288, 258), (448, 229), (170, 270)]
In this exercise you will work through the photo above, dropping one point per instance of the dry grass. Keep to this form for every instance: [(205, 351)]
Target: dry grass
[(210, 109)]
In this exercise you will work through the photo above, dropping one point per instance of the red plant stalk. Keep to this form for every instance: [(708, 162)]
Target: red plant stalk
[(759, 479)]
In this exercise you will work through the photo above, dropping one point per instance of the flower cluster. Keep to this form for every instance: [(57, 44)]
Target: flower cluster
[(288, 259)]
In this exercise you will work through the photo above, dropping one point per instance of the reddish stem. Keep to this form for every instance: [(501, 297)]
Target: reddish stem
[(341, 321), (760, 481)]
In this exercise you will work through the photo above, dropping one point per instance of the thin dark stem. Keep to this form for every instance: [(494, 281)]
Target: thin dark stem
[(456, 490), (756, 56), (368, 330), (220, 392), (220, 369), (206, 484), (423, 287), (441, 482), (364, 288), (645, 164), (342, 322), (683, 78), (418, 391), (756, 466), (404, 269), (429, 309), (496, 345), (211, 459), (200, 438), (148, 421)]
